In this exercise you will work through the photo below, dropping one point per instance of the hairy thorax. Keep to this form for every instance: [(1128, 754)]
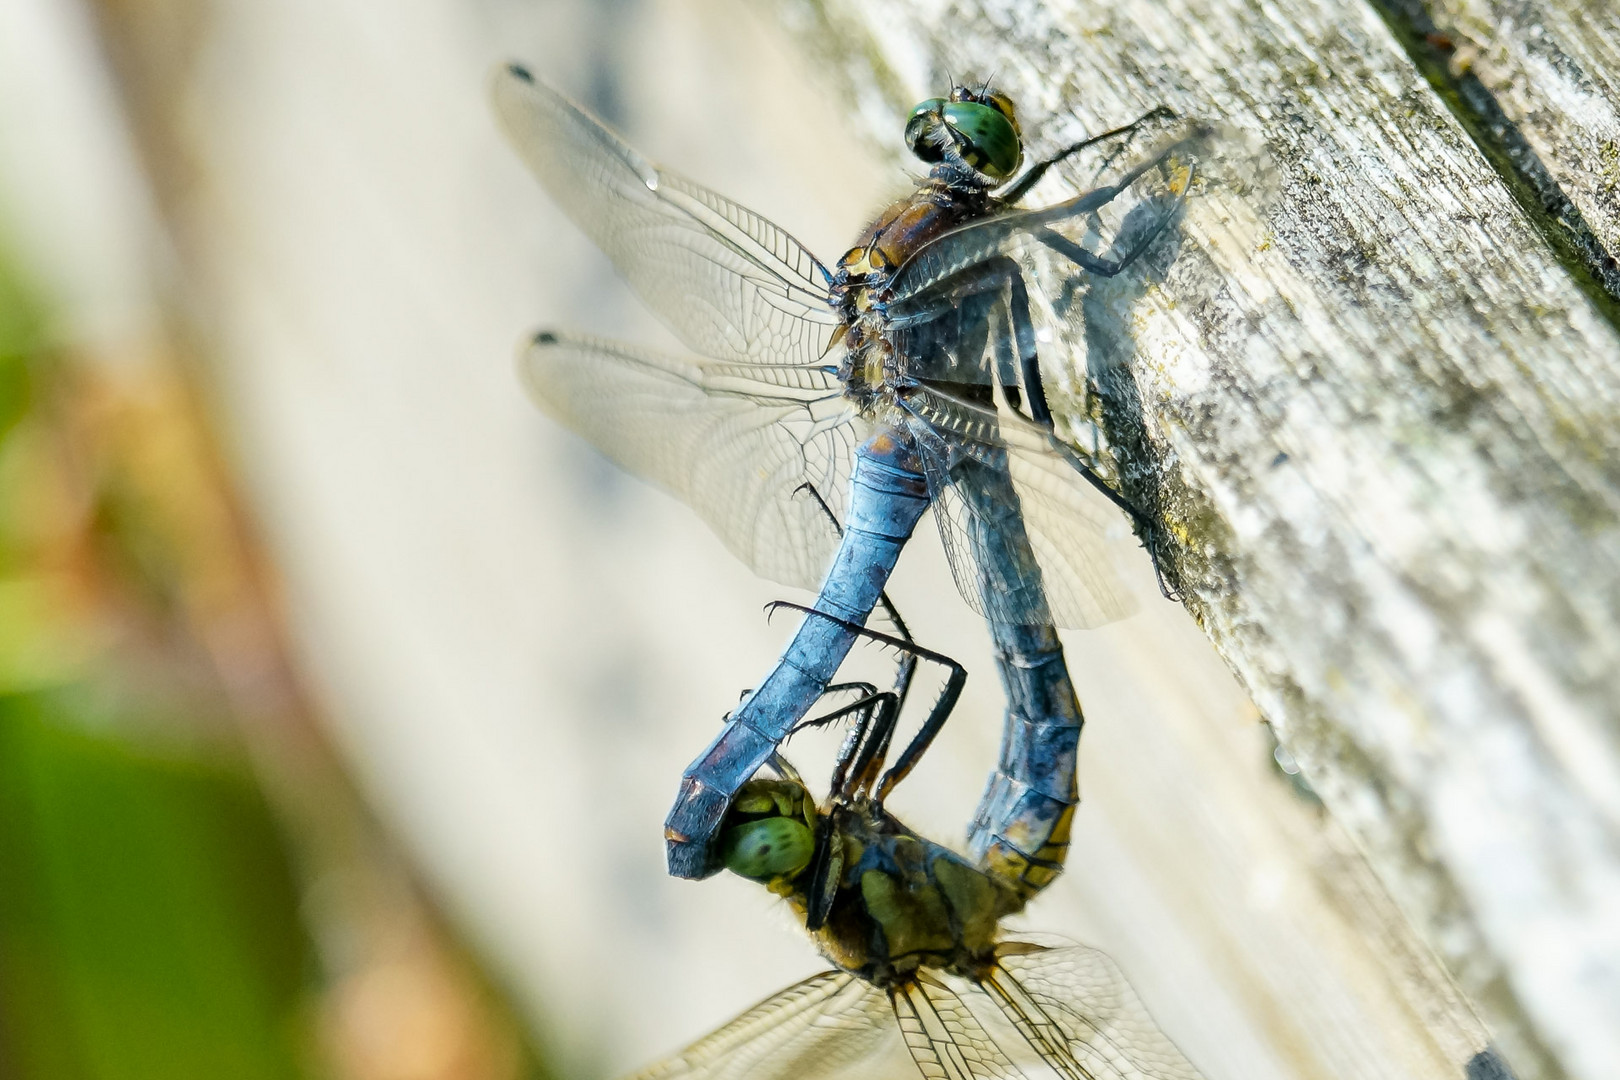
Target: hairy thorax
[(873, 366), (902, 902)]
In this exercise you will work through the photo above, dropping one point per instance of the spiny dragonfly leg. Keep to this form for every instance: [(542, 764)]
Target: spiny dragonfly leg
[(924, 738), (1095, 200), (1023, 340), (1038, 170), (1146, 527), (874, 748), (867, 691), (882, 704)]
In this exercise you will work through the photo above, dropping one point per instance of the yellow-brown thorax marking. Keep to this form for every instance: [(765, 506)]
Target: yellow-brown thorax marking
[(873, 365)]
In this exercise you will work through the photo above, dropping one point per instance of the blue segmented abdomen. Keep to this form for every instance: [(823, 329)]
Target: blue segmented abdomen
[(888, 493), (1020, 832)]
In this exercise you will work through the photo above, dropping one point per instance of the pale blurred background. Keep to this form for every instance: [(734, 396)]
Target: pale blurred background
[(342, 695)]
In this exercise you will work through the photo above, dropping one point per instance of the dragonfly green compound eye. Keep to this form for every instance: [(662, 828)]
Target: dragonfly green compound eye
[(986, 138), (768, 848)]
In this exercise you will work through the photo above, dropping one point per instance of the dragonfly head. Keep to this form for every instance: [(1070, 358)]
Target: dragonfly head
[(769, 834), (975, 127)]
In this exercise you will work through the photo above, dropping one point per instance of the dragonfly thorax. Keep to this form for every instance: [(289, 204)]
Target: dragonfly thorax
[(885, 901), (869, 372), (874, 367), (940, 202)]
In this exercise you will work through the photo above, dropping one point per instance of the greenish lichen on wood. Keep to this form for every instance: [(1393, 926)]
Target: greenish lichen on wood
[(1381, 422)]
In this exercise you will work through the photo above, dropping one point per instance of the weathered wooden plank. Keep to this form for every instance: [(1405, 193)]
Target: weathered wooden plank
[(1542, 82), (1387, 436)]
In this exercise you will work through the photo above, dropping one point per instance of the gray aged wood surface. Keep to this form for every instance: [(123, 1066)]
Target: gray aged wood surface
[(1382, 421), (1551, 71)]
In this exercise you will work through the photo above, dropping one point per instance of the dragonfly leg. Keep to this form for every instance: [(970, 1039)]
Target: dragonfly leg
[(920, 742), (880, 705), (849, 755), (1021, 187), (867, 692), (823, 876), (904, 645), (1029, 361), (1146, 527), (870, 752), (1106, 267), (875, 746)]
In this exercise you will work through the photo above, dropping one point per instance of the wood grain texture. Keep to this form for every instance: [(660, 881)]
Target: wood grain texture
[(1383, 423), (1545, 76)]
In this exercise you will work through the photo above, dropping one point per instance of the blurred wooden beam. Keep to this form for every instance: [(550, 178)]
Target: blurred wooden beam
[(1381, 417)]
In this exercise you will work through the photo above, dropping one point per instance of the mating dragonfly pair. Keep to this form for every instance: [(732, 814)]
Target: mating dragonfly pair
[(821, 413)]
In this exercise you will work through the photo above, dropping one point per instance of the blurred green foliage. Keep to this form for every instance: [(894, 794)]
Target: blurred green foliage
[(148, 917), (21, 336), (148, 921)]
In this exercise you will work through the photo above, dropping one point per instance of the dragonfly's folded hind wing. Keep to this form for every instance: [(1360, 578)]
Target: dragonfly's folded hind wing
[(729, 283), (1076, 534), (827, 1026), (1074, 1006), (1080, 537), (736, 441)]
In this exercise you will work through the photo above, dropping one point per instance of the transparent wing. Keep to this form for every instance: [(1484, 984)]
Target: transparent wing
[(736, 442), (1000, 482), (945, 1039), (820, 1028), (1080, 538), (1074, 1007), (729, 283)]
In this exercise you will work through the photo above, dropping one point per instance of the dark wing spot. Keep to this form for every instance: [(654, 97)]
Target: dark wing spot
[(518, 71)]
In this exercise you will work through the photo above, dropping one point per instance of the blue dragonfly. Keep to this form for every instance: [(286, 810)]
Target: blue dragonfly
[(821, 411)]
